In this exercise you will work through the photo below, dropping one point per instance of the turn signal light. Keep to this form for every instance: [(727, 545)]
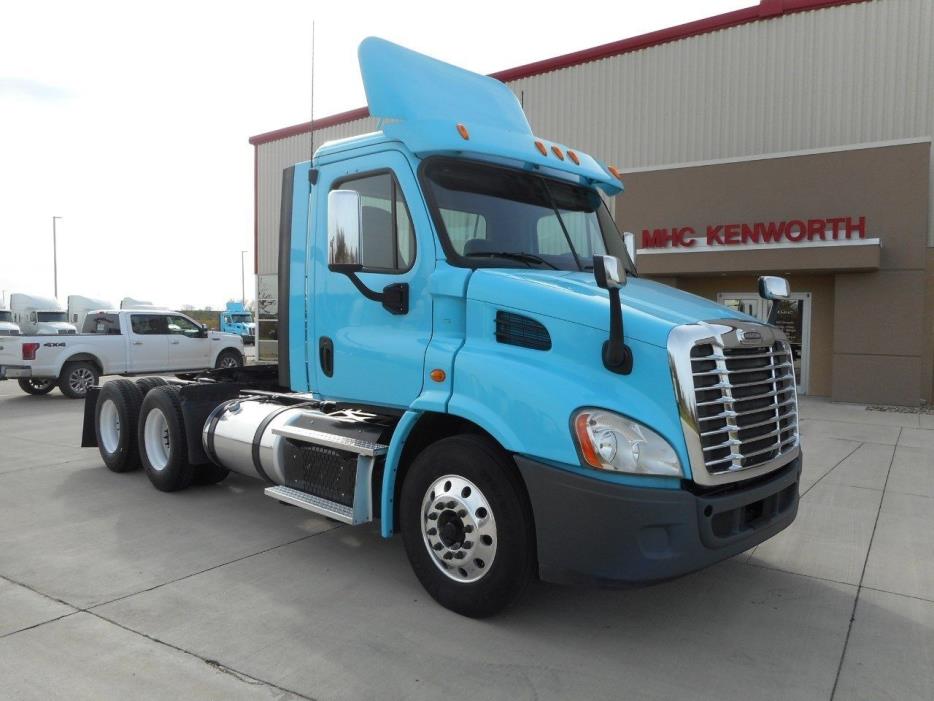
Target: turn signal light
[(541, 148), (462, 130), (555, 150), (438, 375), (583, 438), (573, 156), (29, 351)]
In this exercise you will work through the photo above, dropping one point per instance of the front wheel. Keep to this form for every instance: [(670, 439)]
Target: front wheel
[(30, 386), (467, 525), (229, 359)]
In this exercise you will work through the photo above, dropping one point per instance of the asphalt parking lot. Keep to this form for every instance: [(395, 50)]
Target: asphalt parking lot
[(110, 589)]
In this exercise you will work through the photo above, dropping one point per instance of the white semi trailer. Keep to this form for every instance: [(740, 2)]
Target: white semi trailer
[(40, 316)]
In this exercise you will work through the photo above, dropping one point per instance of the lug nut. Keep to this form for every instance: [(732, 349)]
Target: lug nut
[(437, 546), (462, 512), (468, 544), (432, 531), (460, 555)]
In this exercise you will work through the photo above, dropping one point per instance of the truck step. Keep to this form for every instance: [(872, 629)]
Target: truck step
[(332, 509), (331, 440)]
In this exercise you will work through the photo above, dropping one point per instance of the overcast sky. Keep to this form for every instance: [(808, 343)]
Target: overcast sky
[(130, 120)]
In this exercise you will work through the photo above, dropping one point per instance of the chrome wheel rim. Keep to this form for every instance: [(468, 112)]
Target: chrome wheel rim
[(229, 362), (458, 528), (80, 380), (109, 423), (156, 438)]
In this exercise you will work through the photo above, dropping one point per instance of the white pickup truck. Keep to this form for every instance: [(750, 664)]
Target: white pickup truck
[(120, 342)]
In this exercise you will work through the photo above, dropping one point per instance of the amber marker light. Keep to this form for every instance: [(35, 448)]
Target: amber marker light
[(541, 148), (438, 375), (462, 130), (583, 438), (615, 172), (555, 150), (573, 156)]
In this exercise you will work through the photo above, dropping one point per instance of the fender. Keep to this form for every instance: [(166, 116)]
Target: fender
[(391, 467), (74, 356)]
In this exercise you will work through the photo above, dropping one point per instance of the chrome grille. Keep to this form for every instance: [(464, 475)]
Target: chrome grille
[(746, 404)]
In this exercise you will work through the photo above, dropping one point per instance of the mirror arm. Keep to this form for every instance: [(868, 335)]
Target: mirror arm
[(617, 356), (394, 298)]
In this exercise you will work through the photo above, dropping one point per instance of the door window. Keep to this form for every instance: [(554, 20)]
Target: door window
[(181, 325), (387, 237), (149, 324), (102, 323)]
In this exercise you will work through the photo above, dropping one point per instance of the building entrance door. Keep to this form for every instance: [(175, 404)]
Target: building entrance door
[(794, 318)]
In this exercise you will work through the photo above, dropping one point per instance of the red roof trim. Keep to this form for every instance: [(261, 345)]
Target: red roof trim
[(766, 9)]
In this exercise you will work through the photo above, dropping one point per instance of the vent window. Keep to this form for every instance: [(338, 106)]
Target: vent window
[(518, 330)]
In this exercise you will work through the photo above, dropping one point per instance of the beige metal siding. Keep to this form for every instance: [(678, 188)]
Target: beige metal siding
[(850, 74)]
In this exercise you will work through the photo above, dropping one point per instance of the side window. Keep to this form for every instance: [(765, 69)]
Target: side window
[(148, 324), (102, 323), (184, 326), (387, 239)]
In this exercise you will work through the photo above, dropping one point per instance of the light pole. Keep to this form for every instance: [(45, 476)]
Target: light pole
[(242, 280), (55, 253)]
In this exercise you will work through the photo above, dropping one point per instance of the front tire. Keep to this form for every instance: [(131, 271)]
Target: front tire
[(163, 444), (115, 419), (229, 358), (467, 525), (77, 378), (37, 387)]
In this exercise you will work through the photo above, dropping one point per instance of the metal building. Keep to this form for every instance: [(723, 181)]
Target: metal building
[(791, 113)]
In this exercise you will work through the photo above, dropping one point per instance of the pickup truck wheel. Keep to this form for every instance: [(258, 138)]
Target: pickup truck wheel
[(115, 418), (77, 378), (467, 525), (229, 359), (30, 386), (162, 440), (147, 383)]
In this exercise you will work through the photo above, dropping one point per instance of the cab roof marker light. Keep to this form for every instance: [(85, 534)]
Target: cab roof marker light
[(462, 130), (541, 147), (573, 156), (558, 152), (615, 172)]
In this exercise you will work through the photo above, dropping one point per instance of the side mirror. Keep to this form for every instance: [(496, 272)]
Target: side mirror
[(345, 221), (629, 239), (609, 272), (204, 331), (773, 287)]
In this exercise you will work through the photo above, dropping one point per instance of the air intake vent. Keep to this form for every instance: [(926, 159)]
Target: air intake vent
[(518, 330)]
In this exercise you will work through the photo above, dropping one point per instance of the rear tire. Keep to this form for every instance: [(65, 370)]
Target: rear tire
[(147, 383), (467, 525), (77, 378), (229, 358), (115, 419), (163, 444), (37, 387)]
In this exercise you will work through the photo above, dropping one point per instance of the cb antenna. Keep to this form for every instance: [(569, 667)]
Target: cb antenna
[(312, 124)]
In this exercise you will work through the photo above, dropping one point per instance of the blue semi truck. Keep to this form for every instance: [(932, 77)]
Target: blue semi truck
[(236, 318), (468, 357)]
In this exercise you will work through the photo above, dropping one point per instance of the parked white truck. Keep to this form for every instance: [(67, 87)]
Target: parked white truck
[(78, 308), (118, 342), (130, 303), (7, 326), (40, 316)]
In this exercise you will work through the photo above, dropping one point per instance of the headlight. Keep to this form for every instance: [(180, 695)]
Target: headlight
[(612, 442)]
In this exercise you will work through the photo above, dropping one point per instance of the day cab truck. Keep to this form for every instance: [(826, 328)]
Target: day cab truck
[(237, 319), (115, 342), (40, 315), (469, 358), (79, 307)]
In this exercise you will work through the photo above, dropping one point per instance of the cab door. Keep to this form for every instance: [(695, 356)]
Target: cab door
[(360, 351), (188, 350), (148, 349)]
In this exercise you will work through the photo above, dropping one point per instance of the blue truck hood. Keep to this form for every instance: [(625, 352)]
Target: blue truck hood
[(650, 309)]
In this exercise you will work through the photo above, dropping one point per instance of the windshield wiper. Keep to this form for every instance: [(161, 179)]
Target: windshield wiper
[(524, 257)]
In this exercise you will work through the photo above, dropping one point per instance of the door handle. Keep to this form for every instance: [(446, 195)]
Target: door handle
[(326, 355), (175, 343), (137, 343)]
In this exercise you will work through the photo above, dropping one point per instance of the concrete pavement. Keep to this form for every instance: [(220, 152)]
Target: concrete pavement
[(110, 589)]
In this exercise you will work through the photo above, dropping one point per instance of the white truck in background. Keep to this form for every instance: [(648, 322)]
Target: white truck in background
[(130, 303), (116, 342), (7, 326), (78, 308), (40, 316)]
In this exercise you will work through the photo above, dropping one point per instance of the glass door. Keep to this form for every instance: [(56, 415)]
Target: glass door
[(794, 318)]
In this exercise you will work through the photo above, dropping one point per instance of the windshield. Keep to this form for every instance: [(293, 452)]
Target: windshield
[(6, 316), (51, 316), (511, 218), (241, 318)]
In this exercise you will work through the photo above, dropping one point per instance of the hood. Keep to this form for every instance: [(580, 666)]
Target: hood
[(56, 326), (650, 309)]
